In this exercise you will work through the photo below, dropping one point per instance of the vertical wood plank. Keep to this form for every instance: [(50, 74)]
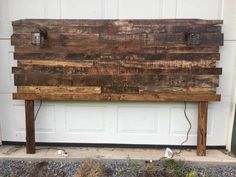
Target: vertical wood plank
[(30, 127), (202, 128)]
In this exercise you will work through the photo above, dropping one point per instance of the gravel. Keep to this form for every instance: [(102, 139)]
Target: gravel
[(114, 168), (9, 168)]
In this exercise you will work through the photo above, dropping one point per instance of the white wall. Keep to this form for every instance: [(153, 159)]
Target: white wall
[(142, 123), (230, 39)]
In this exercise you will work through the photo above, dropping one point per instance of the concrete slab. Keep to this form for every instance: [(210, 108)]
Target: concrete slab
[(18, 152)]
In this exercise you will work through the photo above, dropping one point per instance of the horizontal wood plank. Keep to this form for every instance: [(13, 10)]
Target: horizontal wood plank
[(112, 70), (97, 22), (97, 90), (33, 79), (138, 57), (135, 29), (58, 89), (114, 41), (166, 64), (117, 97), (119, 49), (178, 90)]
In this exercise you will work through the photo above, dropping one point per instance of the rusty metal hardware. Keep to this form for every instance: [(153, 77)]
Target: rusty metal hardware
[(38, 36), (193, 39)]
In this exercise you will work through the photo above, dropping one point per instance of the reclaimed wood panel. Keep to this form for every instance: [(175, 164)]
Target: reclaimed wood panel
[(133, 60)]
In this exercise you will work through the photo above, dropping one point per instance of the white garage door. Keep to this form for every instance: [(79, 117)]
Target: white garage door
[(116, 122)]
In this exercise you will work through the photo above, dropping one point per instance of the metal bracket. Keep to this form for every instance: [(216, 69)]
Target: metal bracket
[(38, 36), (193, 39)]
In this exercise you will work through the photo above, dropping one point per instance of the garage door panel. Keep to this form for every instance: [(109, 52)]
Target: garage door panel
[(88, 9), (206, 9), (142, 9), (138, 120), (85, 119)]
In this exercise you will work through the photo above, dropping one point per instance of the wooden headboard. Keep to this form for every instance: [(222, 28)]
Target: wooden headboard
[(130, 60)]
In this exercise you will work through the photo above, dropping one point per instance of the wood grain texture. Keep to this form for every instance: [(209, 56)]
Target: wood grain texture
[(29, 79), (91, 22), (118, 57), (118, 60), (202, 128), (112, 69), (30, 126), (61, 89), (118, 97), (113, 42)]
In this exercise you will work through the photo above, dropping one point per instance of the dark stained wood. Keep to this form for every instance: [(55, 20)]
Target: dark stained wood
[(29, 79), (30, 126), (118, 60), (114, 42), (119, 49), (202, 128), (161, 28), (120, 90), (112, 70), (126, 57), (178, 90), (106, 23), (118, 97)]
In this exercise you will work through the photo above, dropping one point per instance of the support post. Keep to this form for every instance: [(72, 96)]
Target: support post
[(30, 127), (202, 128)]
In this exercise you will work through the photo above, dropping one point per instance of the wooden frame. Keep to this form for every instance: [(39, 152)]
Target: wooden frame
[(118, 60), (201, 132)]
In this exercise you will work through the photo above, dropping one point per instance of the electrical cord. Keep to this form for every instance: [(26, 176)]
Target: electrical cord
[(40, 105), (174, 154), (58, 149), (187, 136)]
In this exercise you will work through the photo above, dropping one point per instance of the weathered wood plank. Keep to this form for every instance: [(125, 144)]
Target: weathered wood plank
[(107, 51), (169, 64), (124, 64), (58, 89), (98, 22), (113, 41), (177, 90), (46, 63), (128, 56), (112, 70), (97, 90), (134, 29), (118, 97), (120, 90), (32, 79)]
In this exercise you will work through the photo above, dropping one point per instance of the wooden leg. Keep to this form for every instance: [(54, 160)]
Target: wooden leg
[(202, 128), (30, 129)]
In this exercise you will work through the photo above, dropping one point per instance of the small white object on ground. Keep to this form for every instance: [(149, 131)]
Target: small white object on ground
[(168, 153), (59, 152), (62, 152)]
